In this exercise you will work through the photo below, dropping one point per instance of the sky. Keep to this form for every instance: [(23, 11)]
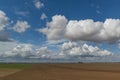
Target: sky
[(59, 30)]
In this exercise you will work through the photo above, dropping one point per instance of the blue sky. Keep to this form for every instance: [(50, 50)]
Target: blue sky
[(63, 27)]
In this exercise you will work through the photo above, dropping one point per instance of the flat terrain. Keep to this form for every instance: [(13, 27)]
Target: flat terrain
[(68, 71), (5, 72), (8, 69)]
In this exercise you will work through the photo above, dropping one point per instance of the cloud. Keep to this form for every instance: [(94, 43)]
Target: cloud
[(98, 12), (21, 26), (87, 30), (3, 20), (18, 50), (119, 45), (22, 50), (4, 36), (43, 16), (38, 4), (43, 52), (22, 13), (72, 49), (5, 46), (68, 50), (82, 30), (55, 29)]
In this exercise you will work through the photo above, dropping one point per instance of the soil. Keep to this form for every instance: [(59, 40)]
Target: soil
[(5, 72), (71, 71)]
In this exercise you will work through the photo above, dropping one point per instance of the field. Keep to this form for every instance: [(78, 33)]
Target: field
[(63, 71), (7, 69)]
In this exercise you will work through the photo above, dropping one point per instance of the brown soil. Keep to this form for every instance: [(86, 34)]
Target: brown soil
[(5, 71), (88, 71)]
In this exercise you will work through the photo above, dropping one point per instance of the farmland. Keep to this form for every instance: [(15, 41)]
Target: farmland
[(10, 68), (64, 71)]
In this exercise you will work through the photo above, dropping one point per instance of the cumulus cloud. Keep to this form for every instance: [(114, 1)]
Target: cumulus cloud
[(82, 30), (13, 49), (4, 36), (3, 20), (6, 46), (87, 30), (22, 50), (38, 4), (43, 16), (18, 50), (21, 26), (72, 49), (68, 50), (55, 29), (43, 52)]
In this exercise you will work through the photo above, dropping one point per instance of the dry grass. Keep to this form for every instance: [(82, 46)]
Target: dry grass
[(88, 71)]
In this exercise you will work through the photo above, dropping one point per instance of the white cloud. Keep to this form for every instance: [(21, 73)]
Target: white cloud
[(82, 30), (6, 46), (87, 30), (21, 26), (55, 29), (68, 50), (38, 4), (43, 52), (3, 20), (68, 45), (43, 16), (72, 49), (18, 50)]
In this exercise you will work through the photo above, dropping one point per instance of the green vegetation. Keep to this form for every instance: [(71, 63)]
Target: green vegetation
[(14, 65)]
